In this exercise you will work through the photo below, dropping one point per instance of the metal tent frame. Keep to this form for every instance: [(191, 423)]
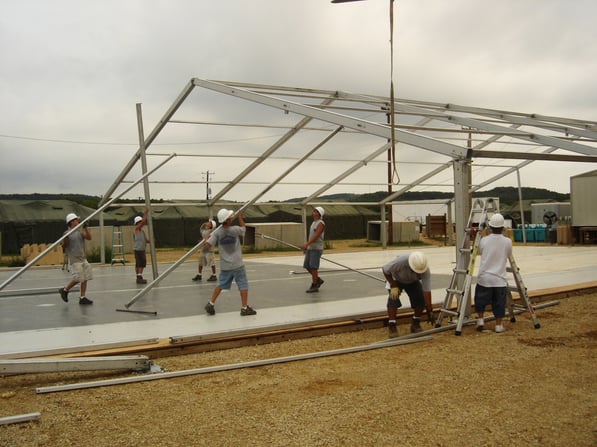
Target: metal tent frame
[(486, 144), (440, 134)]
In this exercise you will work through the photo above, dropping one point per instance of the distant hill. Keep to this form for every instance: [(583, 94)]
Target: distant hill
[(507, 195)]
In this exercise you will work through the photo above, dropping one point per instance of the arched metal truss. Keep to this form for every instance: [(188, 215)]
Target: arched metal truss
[(354, 149)]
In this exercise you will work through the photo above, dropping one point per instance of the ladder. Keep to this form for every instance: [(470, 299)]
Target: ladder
[(117, 246), (525, 303), (461, 282)]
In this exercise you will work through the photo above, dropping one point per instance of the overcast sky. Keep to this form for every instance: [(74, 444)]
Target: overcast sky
[(73, 70)]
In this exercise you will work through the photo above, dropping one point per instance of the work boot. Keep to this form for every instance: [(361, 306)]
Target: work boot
[(392, 330), (319, 282), (84, 300), (197, 278), (140, 280), (212, 278), (415, 326), (314, 288)]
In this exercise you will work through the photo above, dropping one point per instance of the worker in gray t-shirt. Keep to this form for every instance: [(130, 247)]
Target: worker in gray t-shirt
[(227, 237), (74, 248)]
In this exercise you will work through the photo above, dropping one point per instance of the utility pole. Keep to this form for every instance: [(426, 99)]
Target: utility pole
[(207, 188)]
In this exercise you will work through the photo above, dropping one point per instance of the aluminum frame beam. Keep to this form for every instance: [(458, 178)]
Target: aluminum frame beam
[(348, 122)]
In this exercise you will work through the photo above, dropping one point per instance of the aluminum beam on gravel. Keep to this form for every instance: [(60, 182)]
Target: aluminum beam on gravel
[(34, 366), (28, 417), (230, 367), (348, 122), (68, 233)]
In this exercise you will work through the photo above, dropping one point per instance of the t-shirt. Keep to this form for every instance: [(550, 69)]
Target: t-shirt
[(205, 248), (318, 243), (494, 250), (402, 273), (75, 250), (139, 241), (228, 240)]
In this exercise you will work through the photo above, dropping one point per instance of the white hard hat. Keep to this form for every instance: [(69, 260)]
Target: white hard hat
[(496, 221), (138, 219), (320, 210), (70, 217), (224, 215), (417, 262), (213, 223)]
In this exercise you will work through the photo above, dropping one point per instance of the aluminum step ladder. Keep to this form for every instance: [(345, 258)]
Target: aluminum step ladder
[(525, 303), (117, 246), (459, 289)]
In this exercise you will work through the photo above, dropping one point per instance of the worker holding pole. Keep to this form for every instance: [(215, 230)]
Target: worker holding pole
[(313, 248)]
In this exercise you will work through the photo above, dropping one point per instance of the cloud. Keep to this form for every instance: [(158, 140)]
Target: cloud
[(74, 70)]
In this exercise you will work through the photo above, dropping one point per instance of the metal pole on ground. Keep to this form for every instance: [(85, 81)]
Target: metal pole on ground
[(325, 259)]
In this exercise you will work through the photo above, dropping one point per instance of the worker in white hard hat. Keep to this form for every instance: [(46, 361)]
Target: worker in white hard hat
[(410, 273), (74, 248), (313, 248), (232, 267), (492, 283), (207, 257), (139, 247)]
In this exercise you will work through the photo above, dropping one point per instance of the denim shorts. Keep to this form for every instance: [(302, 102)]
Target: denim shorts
[(493, 296), (312, 258), (239, 275)]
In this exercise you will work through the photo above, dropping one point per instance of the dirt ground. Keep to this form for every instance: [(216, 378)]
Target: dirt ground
[(524, 387)]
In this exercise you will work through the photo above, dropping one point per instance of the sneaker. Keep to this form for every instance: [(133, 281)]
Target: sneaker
[(63, 294), (197, 278), (210, 308), (499, 328), (392, 330), (140, 280), (480, 323), (211, 278), (247, 311), (415, 326), (319, 282), (314, 288), (85, 300)]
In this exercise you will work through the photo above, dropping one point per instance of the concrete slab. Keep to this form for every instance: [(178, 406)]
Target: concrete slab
[(40, 322)]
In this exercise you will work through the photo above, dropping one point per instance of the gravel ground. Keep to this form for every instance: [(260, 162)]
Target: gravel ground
[(525, 387)]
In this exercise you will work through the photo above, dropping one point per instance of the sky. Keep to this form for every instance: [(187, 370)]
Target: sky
[(72, 71)]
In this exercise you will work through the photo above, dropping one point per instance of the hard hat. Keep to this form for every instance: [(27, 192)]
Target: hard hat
[(224, 215), (496, 221), (70, 217), (417, 262), (138, 219), (320, 210), (213, 223)]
